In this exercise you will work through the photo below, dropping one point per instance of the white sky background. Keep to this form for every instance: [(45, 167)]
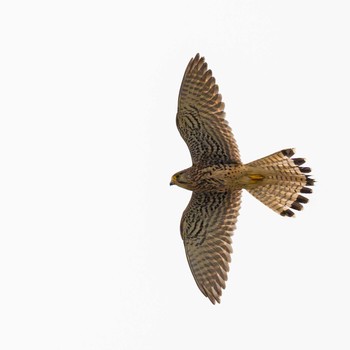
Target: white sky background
[(90, 250)]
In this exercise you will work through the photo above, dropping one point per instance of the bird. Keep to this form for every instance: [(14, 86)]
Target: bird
[(217, 178)]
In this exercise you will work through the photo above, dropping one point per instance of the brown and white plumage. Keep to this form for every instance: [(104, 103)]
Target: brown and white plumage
[(201, 117), (217, 177), (207, 225)]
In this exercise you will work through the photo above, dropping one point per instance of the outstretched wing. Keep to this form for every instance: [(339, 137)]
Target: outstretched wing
[(201, 118), (207, 225)]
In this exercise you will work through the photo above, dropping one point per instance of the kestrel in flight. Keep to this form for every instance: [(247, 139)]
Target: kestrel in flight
[(217, 177)]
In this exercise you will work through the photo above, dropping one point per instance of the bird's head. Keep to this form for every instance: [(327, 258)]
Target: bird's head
[(181, 179)]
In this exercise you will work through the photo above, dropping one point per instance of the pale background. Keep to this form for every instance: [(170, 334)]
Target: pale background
[(90, 250)]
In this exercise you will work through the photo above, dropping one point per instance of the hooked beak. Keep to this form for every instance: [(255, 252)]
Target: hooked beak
[(171, 183)]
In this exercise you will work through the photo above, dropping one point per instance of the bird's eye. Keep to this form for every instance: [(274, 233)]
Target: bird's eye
[(180, 180)]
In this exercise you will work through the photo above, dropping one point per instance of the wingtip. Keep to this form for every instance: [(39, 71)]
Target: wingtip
[(198, 58), (214, 299)]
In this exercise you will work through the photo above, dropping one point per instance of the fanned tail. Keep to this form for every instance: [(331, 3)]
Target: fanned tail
[(282, 182)]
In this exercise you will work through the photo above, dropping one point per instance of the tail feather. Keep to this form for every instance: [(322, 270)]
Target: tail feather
[(283, 181)]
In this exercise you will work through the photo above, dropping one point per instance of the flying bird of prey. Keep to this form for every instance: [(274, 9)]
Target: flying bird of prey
[(217, 177)]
